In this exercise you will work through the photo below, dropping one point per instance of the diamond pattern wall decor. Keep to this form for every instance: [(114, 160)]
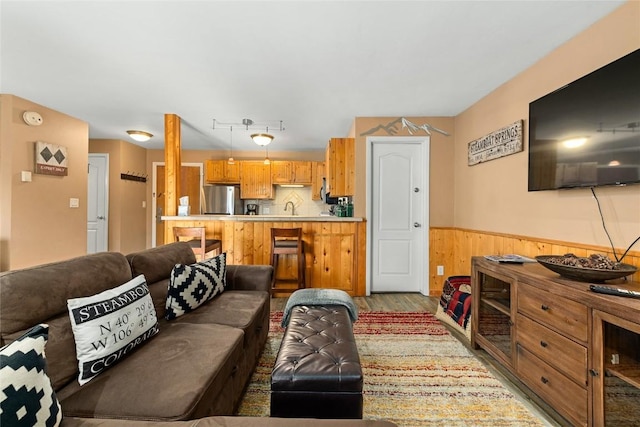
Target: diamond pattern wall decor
[(51, 159)]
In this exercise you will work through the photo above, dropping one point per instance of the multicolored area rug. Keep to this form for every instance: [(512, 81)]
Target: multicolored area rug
[(415, 374)]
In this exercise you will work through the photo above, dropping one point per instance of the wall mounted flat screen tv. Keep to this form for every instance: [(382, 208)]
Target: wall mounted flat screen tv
[(587, 133)]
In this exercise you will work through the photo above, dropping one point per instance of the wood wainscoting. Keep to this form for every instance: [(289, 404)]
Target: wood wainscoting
[(334, 251), (454, 247)]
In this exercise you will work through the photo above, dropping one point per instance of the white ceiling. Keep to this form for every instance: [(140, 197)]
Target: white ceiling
[(316, 65)]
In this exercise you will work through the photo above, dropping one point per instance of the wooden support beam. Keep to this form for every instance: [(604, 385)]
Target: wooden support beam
[(172, 161)]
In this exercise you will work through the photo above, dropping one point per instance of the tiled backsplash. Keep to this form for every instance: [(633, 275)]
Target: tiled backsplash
[(300, 197)]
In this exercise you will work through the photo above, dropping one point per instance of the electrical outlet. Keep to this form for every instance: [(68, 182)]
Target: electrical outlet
[(440, 270), (74, 202), (266, 210)]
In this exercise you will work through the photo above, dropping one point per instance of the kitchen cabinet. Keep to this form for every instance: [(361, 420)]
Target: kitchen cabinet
[(221, 172), (340, 167), (291, 172), (255, 180), (317, 176)]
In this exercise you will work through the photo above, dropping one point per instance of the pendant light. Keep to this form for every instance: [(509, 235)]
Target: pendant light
[(266, 159), (231, 161)]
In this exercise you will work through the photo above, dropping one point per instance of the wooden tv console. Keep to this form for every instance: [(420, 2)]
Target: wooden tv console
[(577, 350)]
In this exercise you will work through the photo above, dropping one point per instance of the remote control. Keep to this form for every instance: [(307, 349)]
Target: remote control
[(614, 291)]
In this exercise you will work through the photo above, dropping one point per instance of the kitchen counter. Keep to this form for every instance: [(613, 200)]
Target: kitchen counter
[(335, 247), (263, 218)]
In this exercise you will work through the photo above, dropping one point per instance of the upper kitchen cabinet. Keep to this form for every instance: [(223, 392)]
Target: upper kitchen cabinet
[(317, 175), (221, 172), (255, 180), (291, 172), (340, 167)]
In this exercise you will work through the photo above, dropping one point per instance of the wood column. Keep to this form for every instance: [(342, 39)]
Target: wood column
[(172, 161)]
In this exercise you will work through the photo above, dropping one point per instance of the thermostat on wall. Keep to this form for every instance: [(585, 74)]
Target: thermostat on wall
[(32, 118)]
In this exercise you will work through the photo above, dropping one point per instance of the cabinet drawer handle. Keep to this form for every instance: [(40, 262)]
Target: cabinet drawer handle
[(543, 344), (544, 307), (544, 380)]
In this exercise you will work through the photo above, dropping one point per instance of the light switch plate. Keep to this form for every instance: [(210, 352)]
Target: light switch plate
[(25, 176)]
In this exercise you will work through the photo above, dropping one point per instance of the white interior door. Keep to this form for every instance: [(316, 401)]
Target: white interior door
[(98, 203), (398, 215)]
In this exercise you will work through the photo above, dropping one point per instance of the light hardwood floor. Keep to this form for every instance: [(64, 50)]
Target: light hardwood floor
[(419, 302)]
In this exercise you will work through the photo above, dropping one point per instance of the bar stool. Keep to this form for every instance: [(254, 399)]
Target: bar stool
[(287, 241), (197, 240)]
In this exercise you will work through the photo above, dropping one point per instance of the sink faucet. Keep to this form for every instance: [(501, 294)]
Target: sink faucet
[(293, 208)]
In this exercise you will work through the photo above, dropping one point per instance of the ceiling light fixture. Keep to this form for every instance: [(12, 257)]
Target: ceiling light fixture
[(139, 135), (262, 139)]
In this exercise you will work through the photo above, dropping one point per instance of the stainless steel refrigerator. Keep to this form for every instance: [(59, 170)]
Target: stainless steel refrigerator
[(221, 200)]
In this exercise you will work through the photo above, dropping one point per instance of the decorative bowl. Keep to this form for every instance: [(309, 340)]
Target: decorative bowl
[(586, 274)]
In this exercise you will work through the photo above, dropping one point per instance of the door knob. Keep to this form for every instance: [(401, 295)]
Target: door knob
[(416, 190), (100, 217), (417, 225)]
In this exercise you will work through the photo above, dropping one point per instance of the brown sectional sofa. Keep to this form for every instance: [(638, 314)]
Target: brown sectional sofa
[(193, 372), (197, 365)]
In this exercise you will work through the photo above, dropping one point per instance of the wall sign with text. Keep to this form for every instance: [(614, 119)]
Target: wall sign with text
[(500, 143), (51, 159)]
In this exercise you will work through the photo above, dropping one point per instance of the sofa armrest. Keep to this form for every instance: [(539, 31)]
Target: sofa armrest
[(249, 277)]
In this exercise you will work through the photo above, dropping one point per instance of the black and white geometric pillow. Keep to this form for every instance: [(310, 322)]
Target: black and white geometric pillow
[(190, 286), (26, 395)]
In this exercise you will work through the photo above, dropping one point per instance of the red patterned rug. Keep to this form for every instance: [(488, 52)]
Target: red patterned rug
[(415, 374)]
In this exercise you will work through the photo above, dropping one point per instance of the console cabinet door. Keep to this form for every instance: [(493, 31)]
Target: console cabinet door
[(615, 370)]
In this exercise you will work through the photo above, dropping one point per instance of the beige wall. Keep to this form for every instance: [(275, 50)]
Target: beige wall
[(493, 196), (441, 175), (36, 223), (127, 216)]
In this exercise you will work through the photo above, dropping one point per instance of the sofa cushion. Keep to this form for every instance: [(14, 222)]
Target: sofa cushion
[(110, 325), (156, 263), (184, 373), (26, 395), (238, 309), (190, 286)]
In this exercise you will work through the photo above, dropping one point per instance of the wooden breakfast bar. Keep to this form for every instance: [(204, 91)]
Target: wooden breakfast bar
[(335, 247)]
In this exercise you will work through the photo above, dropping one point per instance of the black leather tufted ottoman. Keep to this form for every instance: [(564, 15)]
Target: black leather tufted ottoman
[(317, 372)]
